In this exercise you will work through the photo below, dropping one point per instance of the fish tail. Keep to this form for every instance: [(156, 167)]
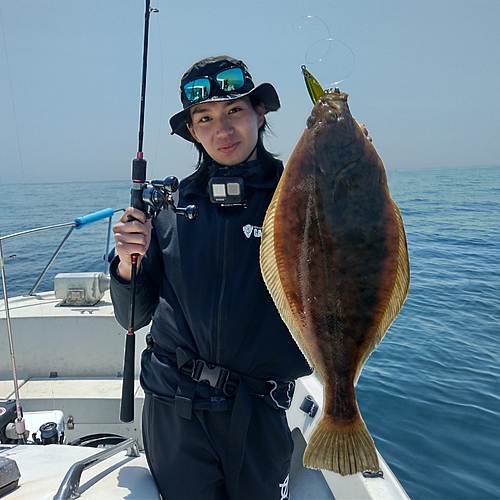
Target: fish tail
[(340, 448)]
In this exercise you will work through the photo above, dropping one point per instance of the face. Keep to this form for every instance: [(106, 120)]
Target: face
[(228, 130)]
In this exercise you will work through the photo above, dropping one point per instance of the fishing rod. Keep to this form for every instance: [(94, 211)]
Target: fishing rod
[(150, 197), (19, 422), (138, 184)]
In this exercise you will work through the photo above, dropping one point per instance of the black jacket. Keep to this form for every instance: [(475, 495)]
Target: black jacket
[(201, 282)]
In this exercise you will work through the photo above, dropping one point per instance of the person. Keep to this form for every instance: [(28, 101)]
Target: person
[(219, 369)]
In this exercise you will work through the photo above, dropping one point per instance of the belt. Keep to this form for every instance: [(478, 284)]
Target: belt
[(278, 394)]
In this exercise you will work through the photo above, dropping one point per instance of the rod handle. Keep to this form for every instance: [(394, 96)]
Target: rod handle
[(127, 402)]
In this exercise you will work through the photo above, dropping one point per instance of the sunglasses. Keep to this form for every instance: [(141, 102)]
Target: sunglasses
[(226, 81)]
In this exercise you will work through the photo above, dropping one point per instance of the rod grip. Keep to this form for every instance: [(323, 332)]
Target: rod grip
[(138, 183), (93, 217), (127, 403)]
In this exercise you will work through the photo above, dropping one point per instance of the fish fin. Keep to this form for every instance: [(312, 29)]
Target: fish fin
[(399, 292), (271, 275), (341, 449)]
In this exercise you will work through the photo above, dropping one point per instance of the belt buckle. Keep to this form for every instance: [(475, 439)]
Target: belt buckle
[(215, 376)]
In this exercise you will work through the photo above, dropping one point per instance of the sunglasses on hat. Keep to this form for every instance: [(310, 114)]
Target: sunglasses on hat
[(224, 82)]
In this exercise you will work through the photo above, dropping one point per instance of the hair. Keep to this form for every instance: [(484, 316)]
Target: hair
[(270, 162)]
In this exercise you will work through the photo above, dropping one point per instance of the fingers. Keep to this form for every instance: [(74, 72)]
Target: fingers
[(363, 128), (132, 235), (133, 214)]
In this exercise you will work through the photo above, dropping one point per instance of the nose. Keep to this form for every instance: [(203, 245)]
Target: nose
[(224, 126)]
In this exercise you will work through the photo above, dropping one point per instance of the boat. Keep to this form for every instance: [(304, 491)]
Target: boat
[(66, 351)]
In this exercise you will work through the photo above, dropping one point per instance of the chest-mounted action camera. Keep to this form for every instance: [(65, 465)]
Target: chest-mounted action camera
[(227, 191)]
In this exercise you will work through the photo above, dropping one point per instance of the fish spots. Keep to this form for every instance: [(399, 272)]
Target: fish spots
[(336, 243)]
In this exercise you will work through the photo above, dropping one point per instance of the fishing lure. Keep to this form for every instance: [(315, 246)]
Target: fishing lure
[(313, 87)]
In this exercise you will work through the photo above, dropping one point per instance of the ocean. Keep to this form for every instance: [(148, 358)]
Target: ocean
[(430, 393)]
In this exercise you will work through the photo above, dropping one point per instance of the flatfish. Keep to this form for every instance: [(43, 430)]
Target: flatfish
[(334, 258)]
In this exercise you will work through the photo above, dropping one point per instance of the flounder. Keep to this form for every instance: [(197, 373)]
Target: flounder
[(334, 258)]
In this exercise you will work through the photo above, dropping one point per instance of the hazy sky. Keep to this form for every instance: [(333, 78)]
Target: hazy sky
[(426, 78)]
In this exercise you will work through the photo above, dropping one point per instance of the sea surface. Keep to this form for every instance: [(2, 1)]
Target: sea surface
[(430, 393)]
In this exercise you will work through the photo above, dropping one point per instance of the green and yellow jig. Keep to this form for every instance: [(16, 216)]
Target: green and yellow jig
[(313, 87)]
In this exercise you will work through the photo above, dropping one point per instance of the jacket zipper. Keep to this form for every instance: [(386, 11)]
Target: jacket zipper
[(220, 318)]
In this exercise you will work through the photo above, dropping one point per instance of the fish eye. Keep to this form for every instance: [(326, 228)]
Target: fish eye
[(311, 121), (331, 116)]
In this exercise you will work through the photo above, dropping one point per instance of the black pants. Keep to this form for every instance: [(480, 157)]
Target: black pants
[(189, 458)]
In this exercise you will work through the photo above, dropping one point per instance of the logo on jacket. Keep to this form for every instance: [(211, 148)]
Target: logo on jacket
[(284, 488), (249, 230)]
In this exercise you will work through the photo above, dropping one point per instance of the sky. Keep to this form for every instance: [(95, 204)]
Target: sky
[(423, 75)]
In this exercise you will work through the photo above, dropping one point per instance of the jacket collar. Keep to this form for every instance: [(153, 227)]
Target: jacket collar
[(252, 173)]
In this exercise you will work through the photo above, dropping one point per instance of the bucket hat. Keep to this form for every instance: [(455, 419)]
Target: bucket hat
[(209, 67)]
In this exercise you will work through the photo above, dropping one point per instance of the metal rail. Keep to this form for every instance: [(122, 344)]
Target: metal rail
[(71, 482), (78, 223)]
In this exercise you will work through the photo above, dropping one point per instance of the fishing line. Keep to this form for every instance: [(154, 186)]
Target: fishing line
[(331, 60), (310, 25), (160, 45), (12, 94)]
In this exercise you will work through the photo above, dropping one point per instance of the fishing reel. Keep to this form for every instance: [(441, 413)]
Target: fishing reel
[(157, 195), (49, 434), (151, 197)]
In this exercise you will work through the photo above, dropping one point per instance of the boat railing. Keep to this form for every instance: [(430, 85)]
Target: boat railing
[(71, 482), (77, 223)]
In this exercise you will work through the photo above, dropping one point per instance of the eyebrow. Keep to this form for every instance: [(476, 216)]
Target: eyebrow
[(199, 110), (206, 109)]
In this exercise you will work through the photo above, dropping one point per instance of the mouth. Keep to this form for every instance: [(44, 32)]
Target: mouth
[(228, 148)]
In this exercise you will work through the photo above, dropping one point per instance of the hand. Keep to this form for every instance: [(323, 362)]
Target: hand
[(363, 128), (132, 236)]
